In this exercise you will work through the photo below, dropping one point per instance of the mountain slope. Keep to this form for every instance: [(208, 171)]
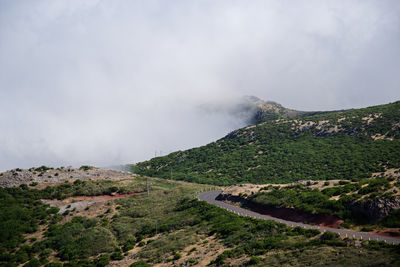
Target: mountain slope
[(348, 144)]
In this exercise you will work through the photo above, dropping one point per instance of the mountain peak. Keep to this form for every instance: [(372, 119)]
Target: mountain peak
[(264, 111)]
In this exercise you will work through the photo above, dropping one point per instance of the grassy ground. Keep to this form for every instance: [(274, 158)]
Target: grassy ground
[(169, 227), (329, 256)]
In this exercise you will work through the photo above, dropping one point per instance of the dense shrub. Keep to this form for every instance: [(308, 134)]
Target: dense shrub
[(140, 263), (301, 198), (20, 212), (329, 236), (80, 238), (392, 220), (253, 261)]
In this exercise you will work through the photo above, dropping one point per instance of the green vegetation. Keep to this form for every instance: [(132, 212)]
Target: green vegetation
[(329, 256), (140, 263), (392, 220), (20, 212), (161, 226), (337, 145), (300, 198), (79, 239), (41, 169), (85, 167)]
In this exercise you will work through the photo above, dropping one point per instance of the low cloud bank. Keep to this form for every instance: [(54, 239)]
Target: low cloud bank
[(109, 82)]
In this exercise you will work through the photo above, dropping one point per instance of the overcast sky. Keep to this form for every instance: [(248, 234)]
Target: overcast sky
[(107, 82)]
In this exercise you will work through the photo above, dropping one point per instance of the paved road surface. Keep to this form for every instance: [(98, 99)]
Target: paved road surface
[(211, 195)]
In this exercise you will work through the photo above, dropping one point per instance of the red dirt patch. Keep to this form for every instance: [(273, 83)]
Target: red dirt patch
[(395, 233), (102, 197)]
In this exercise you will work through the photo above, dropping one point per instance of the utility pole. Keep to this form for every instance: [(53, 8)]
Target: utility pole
[(147, 186)]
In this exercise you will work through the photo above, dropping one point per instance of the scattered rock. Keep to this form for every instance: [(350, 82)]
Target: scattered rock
[(51, 176)]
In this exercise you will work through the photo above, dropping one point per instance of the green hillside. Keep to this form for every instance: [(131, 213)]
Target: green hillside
[(350, 144), (167, 226)]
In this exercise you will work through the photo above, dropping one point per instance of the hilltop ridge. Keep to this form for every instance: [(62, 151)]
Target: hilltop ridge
[(349, 144), (269, 110)]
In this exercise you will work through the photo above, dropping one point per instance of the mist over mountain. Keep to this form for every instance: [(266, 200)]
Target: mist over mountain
[(108, 82), (286, 148), (252, 110)]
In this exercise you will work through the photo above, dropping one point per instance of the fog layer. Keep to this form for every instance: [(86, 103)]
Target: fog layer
[(108, 82)]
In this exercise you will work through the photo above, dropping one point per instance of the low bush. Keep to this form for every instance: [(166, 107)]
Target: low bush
[(140, 263)]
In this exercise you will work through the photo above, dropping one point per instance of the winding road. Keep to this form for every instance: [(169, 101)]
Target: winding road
[(210, 197)]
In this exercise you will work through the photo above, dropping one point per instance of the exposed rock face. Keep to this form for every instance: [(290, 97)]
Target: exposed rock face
[(16, 177), (268, 110), (377, 209)]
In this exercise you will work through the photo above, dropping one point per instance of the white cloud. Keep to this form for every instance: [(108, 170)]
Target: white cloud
[(104, 82)]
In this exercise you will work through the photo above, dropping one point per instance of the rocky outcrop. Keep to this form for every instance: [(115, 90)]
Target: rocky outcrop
[(51, 176), (16, 177), (269, 111), (375, 209)]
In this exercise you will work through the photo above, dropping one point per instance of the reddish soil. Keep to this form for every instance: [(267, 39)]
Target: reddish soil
[(389, 232), (300, 216), (102, 197)]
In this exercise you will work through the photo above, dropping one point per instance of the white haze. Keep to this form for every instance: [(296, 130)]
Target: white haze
[(109, 82)]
